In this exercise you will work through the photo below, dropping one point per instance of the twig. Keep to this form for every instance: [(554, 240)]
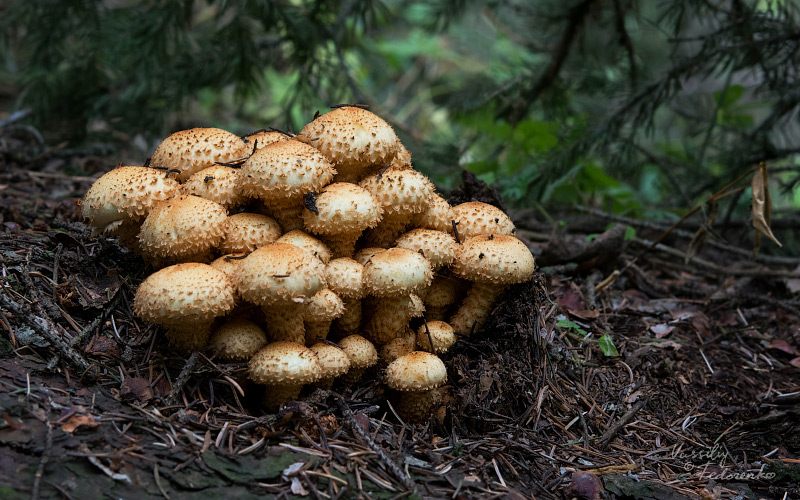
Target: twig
[(627, 417), (183, 377), (37, 479), (15, 117)]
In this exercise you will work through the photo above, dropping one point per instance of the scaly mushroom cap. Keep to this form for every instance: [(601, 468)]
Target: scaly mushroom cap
[(284, 363), (361, 351), (417, 371), (182, 227), (396, 272), (192, 150), (441, 333), (399, 346), (436, 246), (342, 208), (245, 232), (474, 218), (264, 138), (438, 216), (400, 191), (183, 294), (402, 160), (217, 183), (495, 258), (126, 194), (333, 361), (237, 340), (444, 291), (345, 277), (285, 170), (279, 274), (228, 263), (366, 254), (325, 305), (308, 243), (352, 137)]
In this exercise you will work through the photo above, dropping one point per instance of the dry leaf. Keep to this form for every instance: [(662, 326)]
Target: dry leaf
[(710, 209), (795, 362), (784, 346), (762, 207), (76, 421), (661, 330)]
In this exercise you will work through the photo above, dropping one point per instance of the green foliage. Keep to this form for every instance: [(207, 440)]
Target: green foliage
[(605, 342)]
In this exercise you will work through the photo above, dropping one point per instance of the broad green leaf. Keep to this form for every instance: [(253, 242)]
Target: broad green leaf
[(607, 345)]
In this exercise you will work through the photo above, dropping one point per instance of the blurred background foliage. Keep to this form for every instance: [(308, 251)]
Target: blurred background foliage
[(638, 107)]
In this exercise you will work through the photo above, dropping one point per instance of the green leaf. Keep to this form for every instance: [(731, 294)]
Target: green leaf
[(630, 233), (607, 346), (565, 323)]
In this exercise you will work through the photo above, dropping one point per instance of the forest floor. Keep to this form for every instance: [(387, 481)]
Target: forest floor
[(703, 400)]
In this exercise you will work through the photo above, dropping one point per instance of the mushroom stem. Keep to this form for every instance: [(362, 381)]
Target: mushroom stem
[(476, 308), (353, 376), (417, 406), (316, 330), (343, 244), (279, 394), (288, 213), (391, 317), (188, 337), (350, 320), (388, 230), (286, 323)]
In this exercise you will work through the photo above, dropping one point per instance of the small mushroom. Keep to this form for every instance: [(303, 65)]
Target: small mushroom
[(237, 340), (442, 335), (475, 218), (399, 346), (284, 367), (416, 375), (362, 354), (438, 247), (307, 242), (192, 150), (445, 291), (333, 361), (244, 232), (217, 183), (324, 307), (402, 194), (345, 277), (439, 215)]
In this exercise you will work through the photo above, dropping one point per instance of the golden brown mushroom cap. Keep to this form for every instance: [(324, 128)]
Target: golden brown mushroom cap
[(217, 183), (279, 274), (264, 138), (436, 246), (244, 232), (400, 191), (396, 272), (237, 340), (126, 193), (182, 227), (441, 333), (365, 254), (332, 360), (325, 305), (417, 371), (362, 352), (345, 277), (284, 363), (184, 293), (307, 242), (399, 346), (228, 263), (494, 258), (439, 215), (474, 218), (342, 208), (192, 150)]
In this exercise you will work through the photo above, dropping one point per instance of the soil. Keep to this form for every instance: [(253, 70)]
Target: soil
[(702, 399)]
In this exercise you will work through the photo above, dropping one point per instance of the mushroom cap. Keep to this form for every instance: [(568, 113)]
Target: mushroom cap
[(442, 334), (362, 352), (333, 360), (308, 243), (279, 274), (325, 305), (228, 264), (284, 170), (396, 272), (352, 137), (401, 160), (345, 277), (439, 215), (126, 193), (365, 254), (342, 208), (494, 258), (184, 294), (192, 150), (237, 340), (400, 191), (284, 363), (444, 290), (398, 346), (436, 246), (416, 371), (474, 218), (182, 227), (244, 232), (264, 138), (217, 183)]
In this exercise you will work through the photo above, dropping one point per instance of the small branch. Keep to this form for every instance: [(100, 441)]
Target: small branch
[(622, 422), (183, 377), (37, 479)]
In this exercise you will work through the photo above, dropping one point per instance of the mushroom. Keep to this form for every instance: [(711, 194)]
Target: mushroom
[(237, 340), (401, 160), (264, 138), (416, 375), (444, 291), (245, 232), (284, 367), (362, 355), (217, 183), (394, 275), (342, 212), (280, 278), (125, 195), (185, 298), (442, 335), (492, 262), (184, 228), (439, 215), (320, 311), (355, 140), (475, 218), (345, 277), (307, 242), (402, 194), (399, 346), (436, 246), (192, 150), (333, 361), (365, 254), (281, 175)]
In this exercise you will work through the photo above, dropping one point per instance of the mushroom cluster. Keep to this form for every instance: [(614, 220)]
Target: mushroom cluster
[(309, 256)]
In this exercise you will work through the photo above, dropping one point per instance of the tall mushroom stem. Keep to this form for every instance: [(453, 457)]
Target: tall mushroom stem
[(417, 406), (277, 395), (285, 322), (476, 308), (343, 244), (350, 320), (391, 317), (388, 229), (288, 213), (189, 337)]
